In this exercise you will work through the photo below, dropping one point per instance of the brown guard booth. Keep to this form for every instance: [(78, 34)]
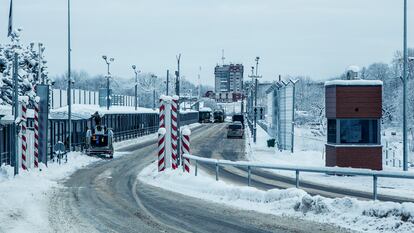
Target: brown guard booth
[(354, 110)]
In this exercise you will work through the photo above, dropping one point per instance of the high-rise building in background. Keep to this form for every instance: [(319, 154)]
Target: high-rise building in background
[(228, 82)]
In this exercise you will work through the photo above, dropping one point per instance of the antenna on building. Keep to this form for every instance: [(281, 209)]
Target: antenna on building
[(199, 83), (222, 56)]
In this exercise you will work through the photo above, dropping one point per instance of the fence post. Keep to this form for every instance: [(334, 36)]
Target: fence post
[(375, 194), (196, 168), (297, 178), (249, 173), (217, 172)]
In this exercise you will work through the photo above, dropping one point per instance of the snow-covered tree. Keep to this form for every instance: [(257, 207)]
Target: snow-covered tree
[(28, 67)]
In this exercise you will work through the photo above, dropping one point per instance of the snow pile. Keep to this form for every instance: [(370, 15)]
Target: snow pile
[(24, 199), (349, 213)]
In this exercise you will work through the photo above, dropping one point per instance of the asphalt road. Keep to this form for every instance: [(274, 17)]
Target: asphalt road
[(107, 197)]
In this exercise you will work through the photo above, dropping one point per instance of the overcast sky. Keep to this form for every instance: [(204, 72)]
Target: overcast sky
[(318, 38)]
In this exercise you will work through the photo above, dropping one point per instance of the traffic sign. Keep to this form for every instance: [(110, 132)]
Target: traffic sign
[(59, 148)]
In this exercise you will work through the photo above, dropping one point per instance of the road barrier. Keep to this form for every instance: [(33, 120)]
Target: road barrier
[(161, 149), (297, 169), (174, 131), (36, 132), (23, 132), (185, 148)]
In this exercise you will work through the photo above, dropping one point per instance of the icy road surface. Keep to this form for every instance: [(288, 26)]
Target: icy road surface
[(108, 197)]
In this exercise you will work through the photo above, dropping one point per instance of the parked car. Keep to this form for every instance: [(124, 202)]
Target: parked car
[(235, 130)]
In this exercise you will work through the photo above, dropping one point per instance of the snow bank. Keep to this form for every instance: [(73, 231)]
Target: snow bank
[(367, 216)]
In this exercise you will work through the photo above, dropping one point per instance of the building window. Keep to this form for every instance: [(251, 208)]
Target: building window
[(359, 131), (332, 130)]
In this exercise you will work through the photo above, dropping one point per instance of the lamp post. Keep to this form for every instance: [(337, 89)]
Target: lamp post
[(69, 85), (154, 77), (108, 63), (134, 67), (405, 57)]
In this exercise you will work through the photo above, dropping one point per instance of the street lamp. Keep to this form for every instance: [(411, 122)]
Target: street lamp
[(405, 57), (108, 62), (134, 67), (154, 77), (69, 85)]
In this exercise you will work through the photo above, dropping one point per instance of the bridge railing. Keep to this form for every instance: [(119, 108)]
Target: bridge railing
[(298, 169)]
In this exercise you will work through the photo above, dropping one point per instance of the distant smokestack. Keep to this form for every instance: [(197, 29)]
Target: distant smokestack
[(280, 77)]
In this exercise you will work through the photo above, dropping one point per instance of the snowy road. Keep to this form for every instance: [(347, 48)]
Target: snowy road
[(107, 197), (233, 149)]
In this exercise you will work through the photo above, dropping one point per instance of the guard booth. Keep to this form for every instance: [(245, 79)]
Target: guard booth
[(353, 111)]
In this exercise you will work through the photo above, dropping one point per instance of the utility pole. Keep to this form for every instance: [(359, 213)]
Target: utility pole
[(153, 90), (405, 57), (168, 82), (134, 67), (255, 102), (199, 83), (108, 94), (69, 85)]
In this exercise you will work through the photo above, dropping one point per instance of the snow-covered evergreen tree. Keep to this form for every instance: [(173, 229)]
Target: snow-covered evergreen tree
[(28, 63)]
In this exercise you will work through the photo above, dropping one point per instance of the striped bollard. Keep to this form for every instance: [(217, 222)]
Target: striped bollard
[(174, 132), (36, 132), (185, 145), (161, 149), (162, 114), (23, 102)]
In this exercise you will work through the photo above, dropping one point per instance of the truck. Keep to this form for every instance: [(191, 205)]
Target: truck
[(219, 116), (99, 139), (238, 118)]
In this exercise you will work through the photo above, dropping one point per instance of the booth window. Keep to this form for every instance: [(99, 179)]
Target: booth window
[(359, 131), (332, 130)]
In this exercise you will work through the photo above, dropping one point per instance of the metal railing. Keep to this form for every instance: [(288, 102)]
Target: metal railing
[(298, 169), (129, 134)]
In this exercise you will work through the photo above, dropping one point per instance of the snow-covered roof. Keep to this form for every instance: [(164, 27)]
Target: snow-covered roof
[(85, 111), (7, 112), (205, 109), (357, 82)]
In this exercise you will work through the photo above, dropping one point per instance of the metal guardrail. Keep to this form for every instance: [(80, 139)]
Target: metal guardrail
[(298, 169)]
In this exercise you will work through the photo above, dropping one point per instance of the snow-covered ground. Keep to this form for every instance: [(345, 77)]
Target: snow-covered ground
[(365, 216), (309, 151), (24, 199)]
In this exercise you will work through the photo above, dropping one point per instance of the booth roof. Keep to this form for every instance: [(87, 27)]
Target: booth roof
[(356, 82)]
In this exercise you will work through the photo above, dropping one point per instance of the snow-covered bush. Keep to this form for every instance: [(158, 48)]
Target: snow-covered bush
[(28, 61)]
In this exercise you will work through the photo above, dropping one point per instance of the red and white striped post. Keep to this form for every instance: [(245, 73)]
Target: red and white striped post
[(162, 113), (161, 149), (174, 132), (185, 145), (36, 132), (23, 102)]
